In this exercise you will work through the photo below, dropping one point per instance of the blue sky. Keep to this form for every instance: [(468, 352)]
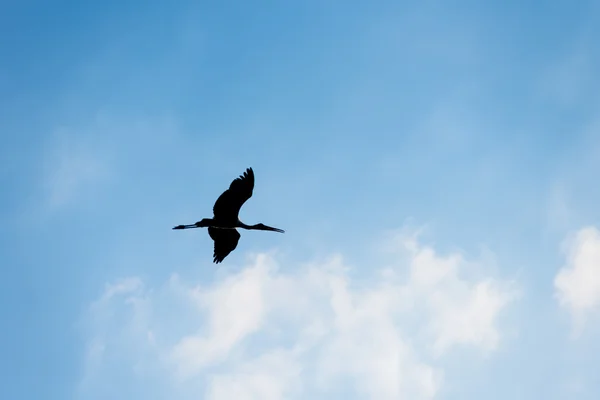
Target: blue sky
[(433, 165)]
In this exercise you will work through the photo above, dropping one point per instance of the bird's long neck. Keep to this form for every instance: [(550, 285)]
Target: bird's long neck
[(256, 227), (240, 224)]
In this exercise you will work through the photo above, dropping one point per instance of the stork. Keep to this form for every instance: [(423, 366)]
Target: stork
[(222, 226)]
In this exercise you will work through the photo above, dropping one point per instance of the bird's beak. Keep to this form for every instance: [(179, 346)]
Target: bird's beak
[(270, 228)]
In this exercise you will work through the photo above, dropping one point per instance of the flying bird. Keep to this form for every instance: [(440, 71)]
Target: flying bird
[(222, 226)]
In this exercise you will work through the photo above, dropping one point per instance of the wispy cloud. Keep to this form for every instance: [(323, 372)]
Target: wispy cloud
[(72, 166), (559, 213), (262, 333), (569, 78)]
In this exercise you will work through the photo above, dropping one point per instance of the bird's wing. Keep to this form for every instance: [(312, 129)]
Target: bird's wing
[(230, 201), (226, 241)]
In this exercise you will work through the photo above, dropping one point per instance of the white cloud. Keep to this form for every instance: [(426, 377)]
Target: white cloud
[(104, 325), (268, 377), (577, 284), (262, 333), (236, 308)]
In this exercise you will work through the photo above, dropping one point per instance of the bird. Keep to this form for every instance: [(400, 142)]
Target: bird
[(222, 227)]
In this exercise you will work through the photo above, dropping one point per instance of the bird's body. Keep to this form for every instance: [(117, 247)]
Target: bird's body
[(222, 227)]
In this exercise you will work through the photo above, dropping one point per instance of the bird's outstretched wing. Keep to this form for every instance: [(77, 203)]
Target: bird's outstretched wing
[(227, 206), (226, 241)]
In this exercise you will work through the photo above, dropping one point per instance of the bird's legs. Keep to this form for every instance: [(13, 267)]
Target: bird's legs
[(200, 224), (260, 227)]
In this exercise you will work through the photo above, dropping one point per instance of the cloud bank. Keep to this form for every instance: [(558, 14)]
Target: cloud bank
[(270, 331)]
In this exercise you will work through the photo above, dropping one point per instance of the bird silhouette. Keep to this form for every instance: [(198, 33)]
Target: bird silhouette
[(222, 227)]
